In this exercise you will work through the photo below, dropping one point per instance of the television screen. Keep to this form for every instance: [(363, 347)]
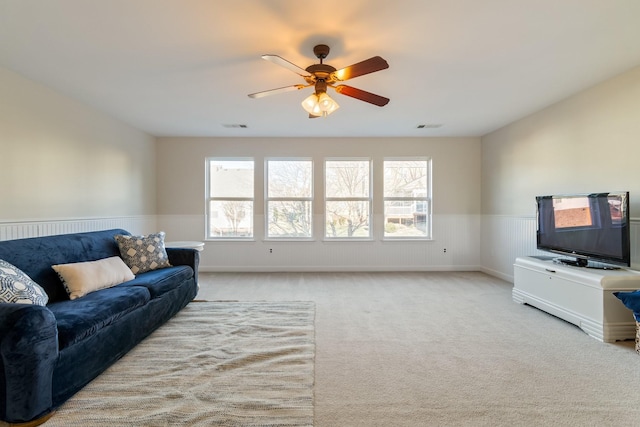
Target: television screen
[(586, 227)]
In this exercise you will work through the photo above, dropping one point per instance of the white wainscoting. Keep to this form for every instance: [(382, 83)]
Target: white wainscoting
[(458, 234), (505, 238), (490, 243), (23, 229)]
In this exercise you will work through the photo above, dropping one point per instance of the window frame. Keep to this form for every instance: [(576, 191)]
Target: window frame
[(209, 198), (268, 199), (428, 199), (369, 199)]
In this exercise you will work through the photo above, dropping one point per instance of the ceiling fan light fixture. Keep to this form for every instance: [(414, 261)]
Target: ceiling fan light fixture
[(319, 104)]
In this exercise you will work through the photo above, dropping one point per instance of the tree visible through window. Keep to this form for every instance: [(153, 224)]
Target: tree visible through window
[(407, 211), (230, 201), (289, 198), (347, 198)]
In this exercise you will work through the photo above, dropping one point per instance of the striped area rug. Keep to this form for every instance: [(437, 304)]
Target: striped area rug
[(213, 364)]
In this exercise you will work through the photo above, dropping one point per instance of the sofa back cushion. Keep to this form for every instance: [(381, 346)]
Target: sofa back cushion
[(36, 255)]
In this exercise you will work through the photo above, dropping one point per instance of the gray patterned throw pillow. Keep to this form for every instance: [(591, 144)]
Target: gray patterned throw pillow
[(143, 253), (17, 287)]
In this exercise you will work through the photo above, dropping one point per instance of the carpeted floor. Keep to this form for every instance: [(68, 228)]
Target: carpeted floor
[(446, 349), (213, 364)]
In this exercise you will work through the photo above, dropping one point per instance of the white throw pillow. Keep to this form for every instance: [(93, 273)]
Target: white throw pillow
[(81, 278), (17, 287)]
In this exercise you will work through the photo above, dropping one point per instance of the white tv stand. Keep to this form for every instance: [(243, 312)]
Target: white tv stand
[(579, 295)]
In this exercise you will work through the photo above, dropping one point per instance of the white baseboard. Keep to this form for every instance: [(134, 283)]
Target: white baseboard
[(331, 269), (498, 274)]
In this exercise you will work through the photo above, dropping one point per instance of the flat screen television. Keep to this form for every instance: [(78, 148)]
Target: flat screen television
[(585, 227)]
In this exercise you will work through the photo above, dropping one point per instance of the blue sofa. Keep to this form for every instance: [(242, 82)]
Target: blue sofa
[(48, 353)]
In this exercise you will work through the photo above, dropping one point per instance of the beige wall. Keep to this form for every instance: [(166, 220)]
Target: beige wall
[(456, 203), (589, 142), (62, 160), (181, 165)]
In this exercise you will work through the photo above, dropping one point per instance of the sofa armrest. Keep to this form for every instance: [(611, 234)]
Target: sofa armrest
[(28, 354), (185, 256)]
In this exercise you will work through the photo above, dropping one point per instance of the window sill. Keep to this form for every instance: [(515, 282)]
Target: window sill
[(229, 239), (347, 239), (289, 239), (407, 239)]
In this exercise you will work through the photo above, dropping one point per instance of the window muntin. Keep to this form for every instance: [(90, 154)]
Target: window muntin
[(347, 198), (289, 198), (230, 187), (407, 198)]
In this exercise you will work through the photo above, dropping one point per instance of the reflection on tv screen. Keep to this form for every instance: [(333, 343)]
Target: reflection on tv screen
[(572, 212)]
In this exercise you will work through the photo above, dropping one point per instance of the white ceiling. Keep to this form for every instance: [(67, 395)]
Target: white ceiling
[(185, 67)]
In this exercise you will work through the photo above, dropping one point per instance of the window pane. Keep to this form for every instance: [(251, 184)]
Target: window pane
[(405, 218), (231, 178), (347, 178), (347, 219), (405, 178), (230, 218), (289, 218), (289, 178)]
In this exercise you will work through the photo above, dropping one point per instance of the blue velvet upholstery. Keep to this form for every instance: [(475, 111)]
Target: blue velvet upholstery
[(80, 318), (35, 256), (49, 353), (29, 348), (157, 282), (631, 300)]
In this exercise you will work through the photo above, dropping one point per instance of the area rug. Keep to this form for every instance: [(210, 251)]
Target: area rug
[(213, 364)]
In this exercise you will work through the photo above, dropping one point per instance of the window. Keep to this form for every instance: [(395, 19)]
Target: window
[(230, 198), (289, 194), (347, 198), (289, 198), (407, 199)]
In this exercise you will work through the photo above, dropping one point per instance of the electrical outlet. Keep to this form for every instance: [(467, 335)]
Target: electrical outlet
[(445, 250), (270, 250)]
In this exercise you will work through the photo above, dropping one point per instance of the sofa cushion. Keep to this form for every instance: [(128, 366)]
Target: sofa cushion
[(17, 287), (82, 317), (143, 253), (160, 281), (36, 255), (81, 278)]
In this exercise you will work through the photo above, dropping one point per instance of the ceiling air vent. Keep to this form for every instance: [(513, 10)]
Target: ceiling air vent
[(235, 126), (429, 126)]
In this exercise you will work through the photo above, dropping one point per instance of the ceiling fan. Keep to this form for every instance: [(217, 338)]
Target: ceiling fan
[(322, 76)]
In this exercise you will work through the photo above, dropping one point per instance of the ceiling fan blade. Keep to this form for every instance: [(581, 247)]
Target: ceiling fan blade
[(278, 60), (311, 116), (362, 95), (367, 66), (276, 91)]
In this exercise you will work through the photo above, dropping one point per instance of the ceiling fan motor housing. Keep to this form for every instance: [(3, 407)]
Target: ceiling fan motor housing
[(321, 71)]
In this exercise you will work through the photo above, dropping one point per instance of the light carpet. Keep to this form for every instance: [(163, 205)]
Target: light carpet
[(213, 364), (408, 349)]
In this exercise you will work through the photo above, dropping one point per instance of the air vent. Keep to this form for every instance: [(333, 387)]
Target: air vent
[(235, 126), (429, 126)]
